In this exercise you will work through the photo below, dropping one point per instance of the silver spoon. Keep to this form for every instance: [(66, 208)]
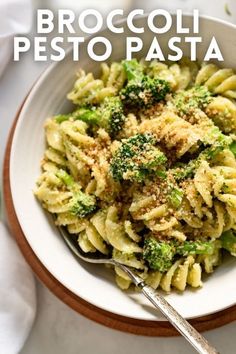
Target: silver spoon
[(184, 327)]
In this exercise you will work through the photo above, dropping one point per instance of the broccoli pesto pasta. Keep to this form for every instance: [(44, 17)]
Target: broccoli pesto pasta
[(144, 168)]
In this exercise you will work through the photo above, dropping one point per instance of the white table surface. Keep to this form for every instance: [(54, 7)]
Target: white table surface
[(57, 328)]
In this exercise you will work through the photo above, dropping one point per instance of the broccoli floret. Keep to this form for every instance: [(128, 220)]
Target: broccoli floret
[(62, 117), (228, 240), (175, 196), (81, 204), (133, 69), (215, 138), (137, 158), (109, 115), (112, 116), (142, 90), (144, 93), (186, 102), (233, 147), (195, 247), (183, 171), (159, 255), (88, 115)]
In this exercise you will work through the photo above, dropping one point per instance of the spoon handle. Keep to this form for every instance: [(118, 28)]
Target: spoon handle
[(184, 327)]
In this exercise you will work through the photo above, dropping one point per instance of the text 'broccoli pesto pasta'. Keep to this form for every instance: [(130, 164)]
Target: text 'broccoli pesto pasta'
[(144, 168)]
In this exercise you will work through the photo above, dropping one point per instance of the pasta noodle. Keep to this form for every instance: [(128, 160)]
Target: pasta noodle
[(144, 170), (218, 81), (114, 76), (223, 113), (180, 76), (87, 90)]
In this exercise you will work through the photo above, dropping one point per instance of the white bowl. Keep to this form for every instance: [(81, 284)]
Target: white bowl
[(93, 283)]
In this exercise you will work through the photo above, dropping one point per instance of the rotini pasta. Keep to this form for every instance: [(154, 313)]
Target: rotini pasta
[(219, 81), (180, 76), (144, 169), (87, 90)]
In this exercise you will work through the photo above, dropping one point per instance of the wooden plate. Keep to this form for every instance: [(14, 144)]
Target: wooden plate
[(126, 324)]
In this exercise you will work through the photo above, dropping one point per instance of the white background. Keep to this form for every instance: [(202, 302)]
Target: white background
[(57, 328)]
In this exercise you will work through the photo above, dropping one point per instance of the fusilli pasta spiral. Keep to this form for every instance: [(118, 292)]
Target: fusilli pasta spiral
[(219, 81)]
